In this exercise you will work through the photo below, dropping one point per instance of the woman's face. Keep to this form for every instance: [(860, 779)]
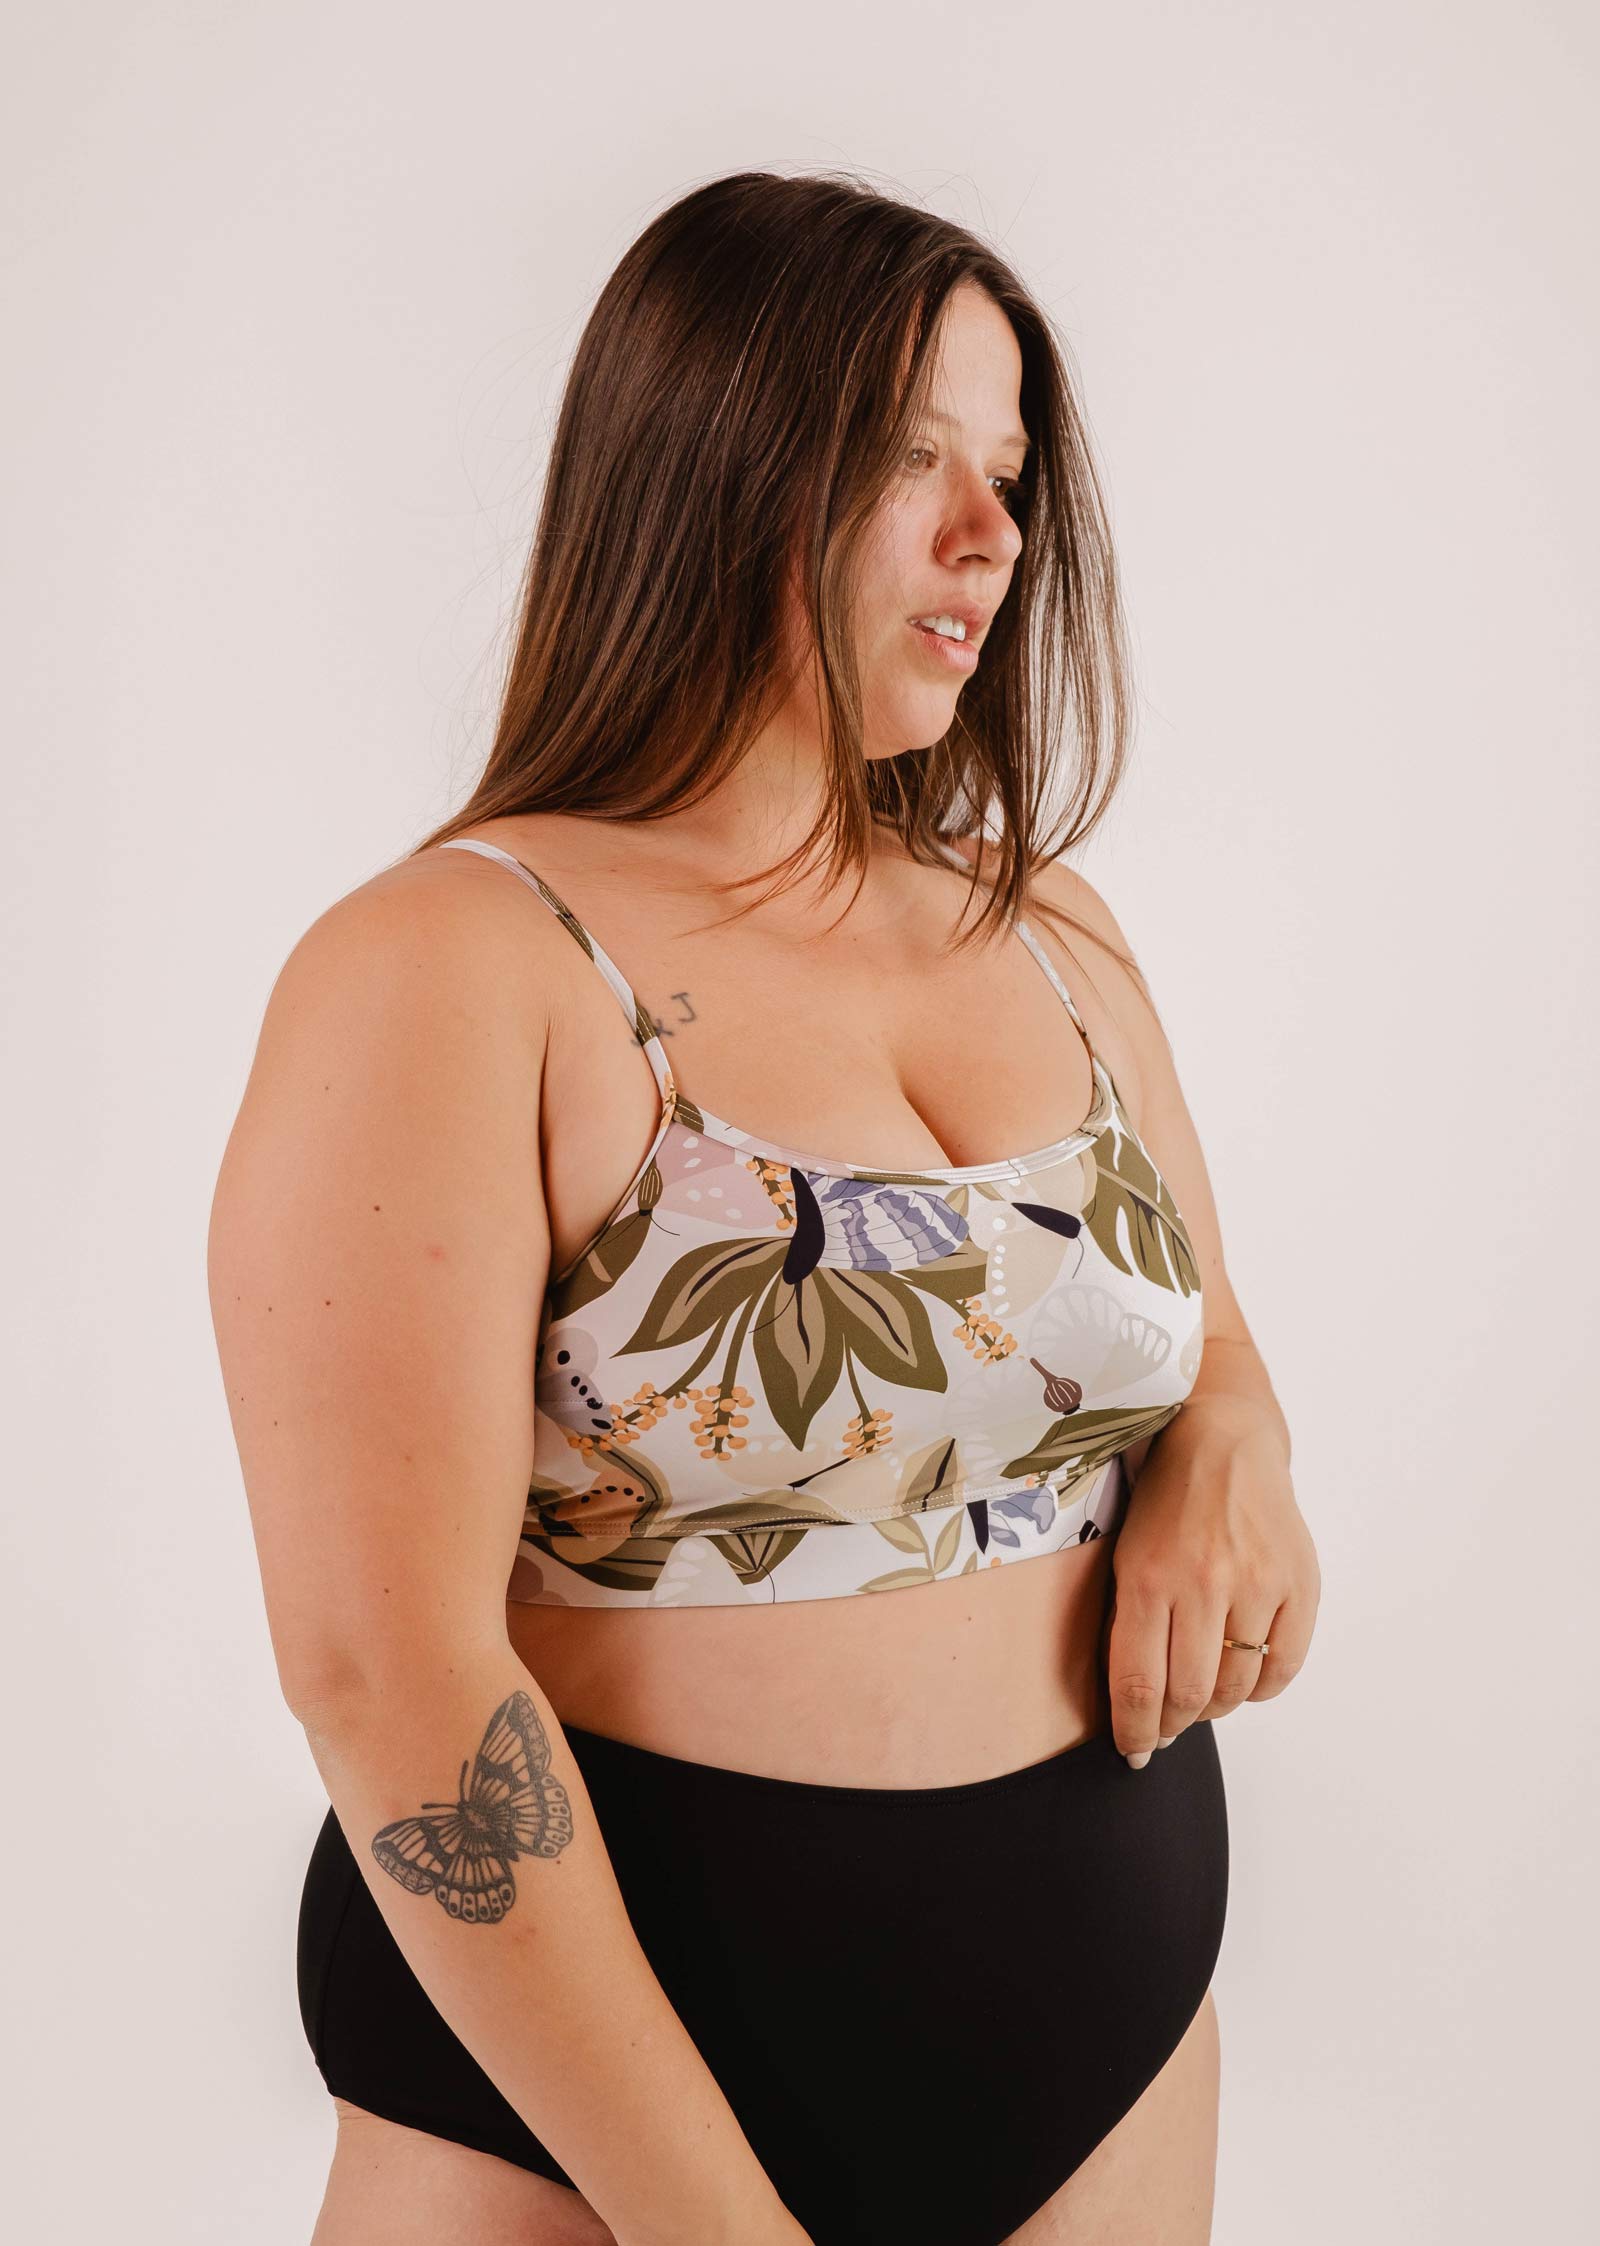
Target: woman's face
[(946, 539)]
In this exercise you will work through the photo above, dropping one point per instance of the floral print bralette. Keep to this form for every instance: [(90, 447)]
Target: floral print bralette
[(775, 1376)]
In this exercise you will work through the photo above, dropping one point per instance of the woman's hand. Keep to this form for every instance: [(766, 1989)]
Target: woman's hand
[(1211, 1545)]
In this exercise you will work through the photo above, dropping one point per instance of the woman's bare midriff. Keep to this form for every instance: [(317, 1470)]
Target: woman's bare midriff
[(930, 1684)]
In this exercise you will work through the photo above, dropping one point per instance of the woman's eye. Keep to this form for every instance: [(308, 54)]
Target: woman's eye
[(1010, 486)]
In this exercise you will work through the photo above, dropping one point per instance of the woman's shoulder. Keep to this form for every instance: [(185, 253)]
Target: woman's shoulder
[(1058, 884), (1088, 941), (459, 900), (433, 934)]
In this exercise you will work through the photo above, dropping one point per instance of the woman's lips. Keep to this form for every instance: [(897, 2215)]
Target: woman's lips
[(956, 654)]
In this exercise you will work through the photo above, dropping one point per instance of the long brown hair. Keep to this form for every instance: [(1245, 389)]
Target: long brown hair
[(743, 391)]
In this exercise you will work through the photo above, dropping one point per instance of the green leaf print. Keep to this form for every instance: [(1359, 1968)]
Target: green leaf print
[(598, 1272), (935, 1469), (1090, 1438), (634, 1563), (799, 1350), (900, 1580), (954, 1277), (754, 1554), (1128, 1185), (704, 1288), (886, 1327), (949, 1537), (907, 1536)]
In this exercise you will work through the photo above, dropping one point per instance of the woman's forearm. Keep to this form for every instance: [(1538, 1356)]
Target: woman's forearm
[(555, 1999)]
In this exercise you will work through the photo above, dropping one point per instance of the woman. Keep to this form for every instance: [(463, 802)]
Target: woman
[(803, 1914)]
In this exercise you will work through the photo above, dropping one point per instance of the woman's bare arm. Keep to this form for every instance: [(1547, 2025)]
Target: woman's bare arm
[(377, 1259)]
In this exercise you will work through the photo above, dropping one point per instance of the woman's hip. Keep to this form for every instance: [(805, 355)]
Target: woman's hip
[(926, 2005)]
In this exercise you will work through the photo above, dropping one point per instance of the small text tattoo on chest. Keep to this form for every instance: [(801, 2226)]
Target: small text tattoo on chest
[(661, 1026)]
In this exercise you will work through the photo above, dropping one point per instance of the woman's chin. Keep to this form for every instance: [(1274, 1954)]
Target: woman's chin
[(915, 722)]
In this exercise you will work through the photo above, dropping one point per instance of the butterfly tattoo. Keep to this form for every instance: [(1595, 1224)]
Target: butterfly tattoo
[(512, 1808)]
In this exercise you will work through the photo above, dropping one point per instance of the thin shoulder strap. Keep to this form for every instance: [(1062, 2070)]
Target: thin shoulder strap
[(644, 1031), (958, 858)]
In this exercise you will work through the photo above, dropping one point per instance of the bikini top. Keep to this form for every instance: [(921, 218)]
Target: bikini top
[(774, 1375)]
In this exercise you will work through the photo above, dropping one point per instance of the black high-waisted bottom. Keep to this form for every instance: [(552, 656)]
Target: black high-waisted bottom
[(926, 2005)]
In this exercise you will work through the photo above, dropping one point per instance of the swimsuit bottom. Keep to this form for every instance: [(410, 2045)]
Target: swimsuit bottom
[(926, 2005)]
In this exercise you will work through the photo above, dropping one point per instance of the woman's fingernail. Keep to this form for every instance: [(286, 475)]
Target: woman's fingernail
[(1166, 1742), (1137, 1762)]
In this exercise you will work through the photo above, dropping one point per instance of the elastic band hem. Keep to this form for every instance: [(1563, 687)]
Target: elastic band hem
[(1081, 1751)]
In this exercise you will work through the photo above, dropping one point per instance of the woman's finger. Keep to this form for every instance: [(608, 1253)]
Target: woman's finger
[(1238, 1665), (1136, 1671), (1197, 1667), (1290, 1640)]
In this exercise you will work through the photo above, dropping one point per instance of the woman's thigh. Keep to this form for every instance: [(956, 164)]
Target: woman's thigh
[(1152, 2181), (393, 2186)]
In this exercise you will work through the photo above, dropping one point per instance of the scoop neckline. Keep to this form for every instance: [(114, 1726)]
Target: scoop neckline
[(678, 1108), (691, 1116)]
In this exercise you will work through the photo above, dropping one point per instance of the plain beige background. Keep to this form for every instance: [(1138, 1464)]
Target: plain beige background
[(293, 290)]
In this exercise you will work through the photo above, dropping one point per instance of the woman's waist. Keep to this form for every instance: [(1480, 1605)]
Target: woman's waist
[(932, 1684)]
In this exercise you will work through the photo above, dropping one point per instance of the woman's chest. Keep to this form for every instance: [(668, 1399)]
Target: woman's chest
[(872, 1058)]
